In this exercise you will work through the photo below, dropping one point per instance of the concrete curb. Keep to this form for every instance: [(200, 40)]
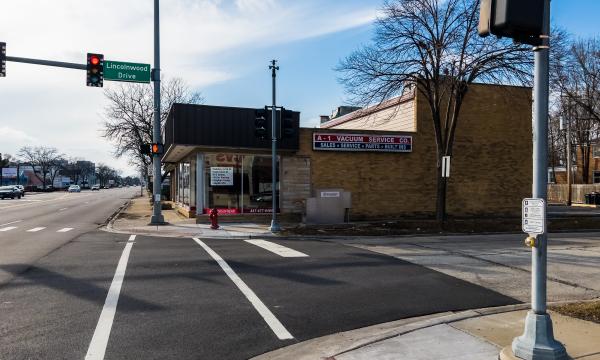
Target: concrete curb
[(328, 347), (108, 224)]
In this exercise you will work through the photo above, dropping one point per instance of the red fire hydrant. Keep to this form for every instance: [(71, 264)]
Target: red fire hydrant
[(214, 219)]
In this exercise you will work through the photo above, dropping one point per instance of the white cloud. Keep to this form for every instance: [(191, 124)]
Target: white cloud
[(54, 105), (9, 134)]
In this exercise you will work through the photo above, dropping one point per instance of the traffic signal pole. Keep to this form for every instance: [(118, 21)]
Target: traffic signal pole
[(157, 217), (537, 341), (274, 225)]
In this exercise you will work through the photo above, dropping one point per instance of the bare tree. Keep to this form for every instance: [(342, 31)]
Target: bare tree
[(129, 114), (577, 79), (43, 160), (433, 44)]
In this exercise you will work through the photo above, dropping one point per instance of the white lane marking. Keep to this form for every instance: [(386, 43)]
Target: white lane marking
[(8, 228), (278, 328), (99, 341), (62, 209), (61, 198), (65, 229), (12, 222), (36, 229), (276, 248)]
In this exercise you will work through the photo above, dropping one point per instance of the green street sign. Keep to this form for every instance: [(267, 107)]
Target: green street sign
[(124, 71)]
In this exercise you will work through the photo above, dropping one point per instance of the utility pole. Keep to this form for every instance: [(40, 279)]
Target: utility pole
[(569, 171), (274, 225), (537, 341), (157, 217)]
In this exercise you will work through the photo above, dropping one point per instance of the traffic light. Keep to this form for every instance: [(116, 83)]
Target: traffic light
[(95, 70), (260, 123), (517, 19), (2, 59), (157, 149), (146, 149), (288, 129)]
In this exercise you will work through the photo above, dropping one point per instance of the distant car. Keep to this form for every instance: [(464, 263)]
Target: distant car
[(107, 187), (21, 188), (74, 188), (95, 187), (10, 192)]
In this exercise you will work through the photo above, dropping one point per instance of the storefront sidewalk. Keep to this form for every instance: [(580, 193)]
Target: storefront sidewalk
[(468, 335), (135, 218)]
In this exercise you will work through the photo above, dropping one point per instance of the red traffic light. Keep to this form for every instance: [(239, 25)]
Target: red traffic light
[(94, 60), (156, 149)]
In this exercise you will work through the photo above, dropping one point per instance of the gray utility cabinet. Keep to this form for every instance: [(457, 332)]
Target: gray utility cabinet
[(328, 206)]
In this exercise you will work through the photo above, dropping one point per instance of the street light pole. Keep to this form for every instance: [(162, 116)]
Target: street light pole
[(157, 217), (274, 225), (537, 341)]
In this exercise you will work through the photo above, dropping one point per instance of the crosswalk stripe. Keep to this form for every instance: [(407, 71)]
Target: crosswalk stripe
[(65, 229), (36, 229), (276, 248), (8, 228)]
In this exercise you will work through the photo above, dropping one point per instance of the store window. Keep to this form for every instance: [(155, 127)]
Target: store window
[(184, 183), (237, 183), (596, 177)]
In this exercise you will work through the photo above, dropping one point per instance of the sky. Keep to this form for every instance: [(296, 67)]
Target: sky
[(221, 48)]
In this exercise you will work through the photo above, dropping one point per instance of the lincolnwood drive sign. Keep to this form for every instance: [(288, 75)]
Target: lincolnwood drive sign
[(124, 71), (362, 142)]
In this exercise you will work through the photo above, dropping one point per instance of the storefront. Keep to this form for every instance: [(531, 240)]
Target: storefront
[(236, 180), (216, 161)]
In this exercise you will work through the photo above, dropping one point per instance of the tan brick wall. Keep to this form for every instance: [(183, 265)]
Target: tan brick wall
[(295, 185), (491, 171), (491, 167), (382, 184)]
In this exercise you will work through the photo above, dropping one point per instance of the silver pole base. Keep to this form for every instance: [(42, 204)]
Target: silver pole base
[(537, 342), (157, 220), (275, 226)]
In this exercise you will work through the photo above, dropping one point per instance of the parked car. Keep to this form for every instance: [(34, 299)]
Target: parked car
[(10, 192), (74, 188), (96, 187), (21, 188)]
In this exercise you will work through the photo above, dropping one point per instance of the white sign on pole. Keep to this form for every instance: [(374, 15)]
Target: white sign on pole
[(330, 194), (9, 172), (221, 176), (534, 216), (446, 166)]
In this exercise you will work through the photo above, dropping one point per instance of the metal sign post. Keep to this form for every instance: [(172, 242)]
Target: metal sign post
[(157, 217), (274, 225), (537, 341)]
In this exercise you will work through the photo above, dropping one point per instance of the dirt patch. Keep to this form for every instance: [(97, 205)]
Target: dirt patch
[(589, 311), (130, 216), (431, 226)]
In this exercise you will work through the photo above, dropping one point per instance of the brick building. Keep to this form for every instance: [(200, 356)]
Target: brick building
[(384, 156)]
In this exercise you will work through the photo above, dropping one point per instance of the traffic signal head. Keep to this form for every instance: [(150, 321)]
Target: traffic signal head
[(145, 149), (2, 59), (517, 19), (156, 149), (95, 70), (287, 123), (260, 123)]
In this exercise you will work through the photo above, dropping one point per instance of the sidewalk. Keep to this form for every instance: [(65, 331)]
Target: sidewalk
[(468, 335), (135, 219)]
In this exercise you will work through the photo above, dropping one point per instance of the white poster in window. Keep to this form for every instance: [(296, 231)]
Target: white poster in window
[(221, 176)]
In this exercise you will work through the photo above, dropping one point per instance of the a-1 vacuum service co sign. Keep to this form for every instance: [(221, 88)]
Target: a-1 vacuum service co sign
[(362, 142)]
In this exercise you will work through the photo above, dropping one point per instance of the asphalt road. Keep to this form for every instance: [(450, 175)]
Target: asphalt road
[(209, 299), (39, 223)]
